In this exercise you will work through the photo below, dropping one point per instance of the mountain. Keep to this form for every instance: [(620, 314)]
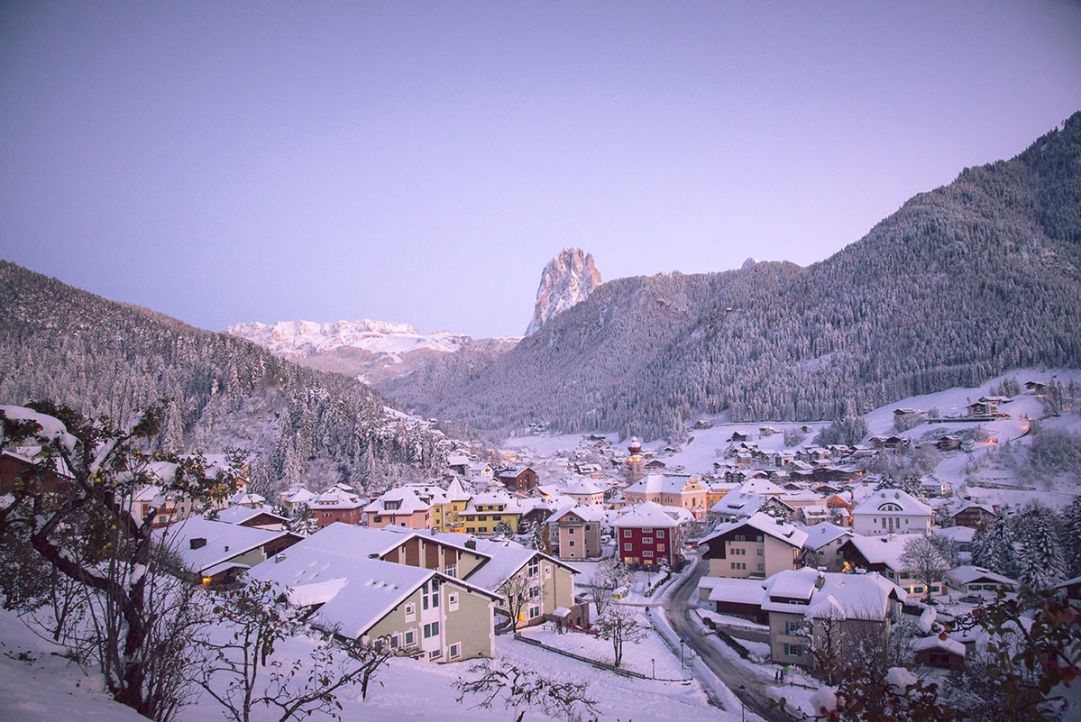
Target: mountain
[(566, 281), (108, 358), (373, 351), (959, 284)]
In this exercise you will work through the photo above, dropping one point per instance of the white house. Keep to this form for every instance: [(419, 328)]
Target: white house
[(891, 511)]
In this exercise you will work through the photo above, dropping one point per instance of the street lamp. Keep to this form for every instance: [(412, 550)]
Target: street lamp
[(743, 705), (681, 664), (654, 663)]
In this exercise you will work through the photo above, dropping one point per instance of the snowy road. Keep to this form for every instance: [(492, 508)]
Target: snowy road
[(678, 606)]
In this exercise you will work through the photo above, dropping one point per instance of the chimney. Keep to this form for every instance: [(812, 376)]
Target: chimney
[(471, 544), (197, 543), (279, 558), (820, 580)]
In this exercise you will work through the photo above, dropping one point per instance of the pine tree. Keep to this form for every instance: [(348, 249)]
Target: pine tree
[(1070, 529), (993, 547), (1040, 559)]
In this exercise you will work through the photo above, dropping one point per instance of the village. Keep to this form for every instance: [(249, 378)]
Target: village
[(733, 578)]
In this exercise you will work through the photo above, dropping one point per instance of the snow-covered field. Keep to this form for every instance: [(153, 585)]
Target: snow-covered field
[(38, 685)]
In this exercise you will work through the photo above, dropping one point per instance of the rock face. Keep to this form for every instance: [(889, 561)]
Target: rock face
[(568, 279)]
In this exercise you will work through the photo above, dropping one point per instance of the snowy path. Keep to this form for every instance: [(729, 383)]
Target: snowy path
[(734, 676)]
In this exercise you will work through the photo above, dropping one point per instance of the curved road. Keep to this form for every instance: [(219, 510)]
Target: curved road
[(677, 606)]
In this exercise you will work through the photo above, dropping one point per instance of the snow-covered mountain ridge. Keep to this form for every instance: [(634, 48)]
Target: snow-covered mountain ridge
[(305, 338), (566, 281)]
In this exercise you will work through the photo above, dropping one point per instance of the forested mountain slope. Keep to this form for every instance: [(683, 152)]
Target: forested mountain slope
[(103, 357), (958, 285)]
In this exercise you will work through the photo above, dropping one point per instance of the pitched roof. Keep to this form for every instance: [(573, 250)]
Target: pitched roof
[(822, 534), (241, 514), (967, 573), (645, 515), (830, 594), (583, 511), (223, 541), (767, 525), (874, 503), (660, 484), (884, 549)]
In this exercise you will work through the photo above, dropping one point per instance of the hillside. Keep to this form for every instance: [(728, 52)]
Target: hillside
[(961, 283), (103, 357)]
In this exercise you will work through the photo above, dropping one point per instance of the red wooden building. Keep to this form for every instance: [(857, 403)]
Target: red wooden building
[(646, 535)]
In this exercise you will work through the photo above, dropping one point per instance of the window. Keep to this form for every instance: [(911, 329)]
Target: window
[(395, 641), (647, 530), (451, 571), (588, 527), (626, 533), (740, 537), (547, 571), (532, 567), (660, 547), (431, 629), (626, 547), (570, 543), (452, 601), (410, 638), (793, 627), (793, 650), (647, 540), (378, 519), (430, 593), (759, 551), (534, 592), (647, 554), (659, 534), (571, 530), (534, 611), (454, 651), (410, 612), (435, 654)]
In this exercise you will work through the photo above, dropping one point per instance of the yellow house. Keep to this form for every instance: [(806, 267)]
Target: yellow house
[(716, 490), (485, 512)]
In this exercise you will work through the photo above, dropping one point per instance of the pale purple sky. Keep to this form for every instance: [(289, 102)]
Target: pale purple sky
[(420, 162)]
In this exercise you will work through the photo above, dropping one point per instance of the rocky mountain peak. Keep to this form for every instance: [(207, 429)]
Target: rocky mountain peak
[(568, 279)]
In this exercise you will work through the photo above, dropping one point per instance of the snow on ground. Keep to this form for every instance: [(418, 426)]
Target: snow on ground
[(38, 685), (550, 445), (644, 656)]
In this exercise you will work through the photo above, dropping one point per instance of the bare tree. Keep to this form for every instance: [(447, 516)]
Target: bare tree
[(76, 514), (522, 689), (611, 575), (515, 591), (241, 671), (923, 559), (619, 625)]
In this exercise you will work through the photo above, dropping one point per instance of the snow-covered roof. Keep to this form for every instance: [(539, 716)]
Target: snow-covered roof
[(937, 642), (882, 502), (830, 594), (51, 428), (763, 487), (819, 535), (583, 511), (584, 488), (645, 515), (738, 591), (765, 524), (223, 541), (968, 573), (967, 504), (331, 568), (660, 484), (959, 534), (457, 460), (336, 498), (241, 514), (299, 495), (884, 549), (738, 503), (404, 498)]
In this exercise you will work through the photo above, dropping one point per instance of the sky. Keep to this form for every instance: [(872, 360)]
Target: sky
[(421, 162)]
